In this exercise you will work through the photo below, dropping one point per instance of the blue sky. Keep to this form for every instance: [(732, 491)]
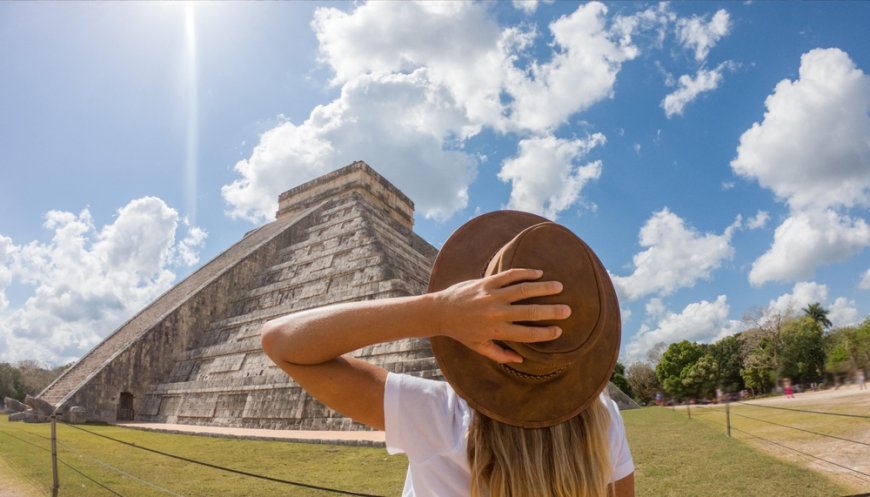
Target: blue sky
[(716, 156)]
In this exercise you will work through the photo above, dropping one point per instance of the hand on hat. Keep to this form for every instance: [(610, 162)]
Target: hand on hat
[(477, 313)]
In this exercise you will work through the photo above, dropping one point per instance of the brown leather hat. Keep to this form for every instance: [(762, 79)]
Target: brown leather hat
[(558, 379)]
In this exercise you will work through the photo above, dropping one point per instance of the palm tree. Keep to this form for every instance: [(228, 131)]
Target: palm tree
[(818, 314)]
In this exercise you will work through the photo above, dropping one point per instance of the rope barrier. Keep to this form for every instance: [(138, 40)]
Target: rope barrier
[(803, 410), (120, 471), (62, 461), (801, 429), (802, 453), (222, 468)]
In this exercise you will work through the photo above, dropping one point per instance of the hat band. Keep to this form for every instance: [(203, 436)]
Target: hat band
[(533, 377)]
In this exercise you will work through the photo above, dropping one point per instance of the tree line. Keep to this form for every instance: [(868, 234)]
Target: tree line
[(804, 349), (26, 378)]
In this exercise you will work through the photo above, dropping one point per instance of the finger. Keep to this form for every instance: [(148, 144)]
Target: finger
[(514, 275), (497, 353), (530, 334), (537, 312), (526, 290)]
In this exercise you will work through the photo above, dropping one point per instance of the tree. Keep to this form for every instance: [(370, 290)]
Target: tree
[(760, 350), (641, 376), (818, 314), (674, 367), (847, 349), (700, 378), (729, 361), (10, 382), (803, 354), (618, 379)]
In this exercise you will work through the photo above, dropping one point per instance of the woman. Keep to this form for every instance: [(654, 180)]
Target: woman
[(527, 345)]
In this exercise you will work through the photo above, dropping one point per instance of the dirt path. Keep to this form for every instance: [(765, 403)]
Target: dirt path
[(849, 399)]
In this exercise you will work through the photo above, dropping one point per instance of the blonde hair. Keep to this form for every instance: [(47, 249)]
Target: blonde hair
[(570, 459)]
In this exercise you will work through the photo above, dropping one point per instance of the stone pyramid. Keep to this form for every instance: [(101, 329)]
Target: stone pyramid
[(193, 356)]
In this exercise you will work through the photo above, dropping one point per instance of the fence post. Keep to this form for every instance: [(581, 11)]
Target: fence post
[(728, 418), (689, 409), (55, 484)]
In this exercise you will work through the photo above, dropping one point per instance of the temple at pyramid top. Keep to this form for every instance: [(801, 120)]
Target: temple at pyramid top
[(193, 355), (358, 176)]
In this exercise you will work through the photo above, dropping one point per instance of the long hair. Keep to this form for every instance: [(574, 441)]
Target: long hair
[(570, 459)]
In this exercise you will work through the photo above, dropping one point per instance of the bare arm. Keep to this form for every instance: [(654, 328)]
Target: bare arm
[(310, 345), (624, 487)]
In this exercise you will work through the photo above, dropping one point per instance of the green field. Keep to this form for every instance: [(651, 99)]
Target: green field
[(675, 456)]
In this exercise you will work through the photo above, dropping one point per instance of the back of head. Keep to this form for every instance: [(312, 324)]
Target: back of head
[(570, 459)]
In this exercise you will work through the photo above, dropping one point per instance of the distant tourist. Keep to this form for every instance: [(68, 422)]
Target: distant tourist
[(525, 327), (860, 380)]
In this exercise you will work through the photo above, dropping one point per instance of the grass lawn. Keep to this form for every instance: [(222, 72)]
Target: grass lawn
[(356, 469), (675, 456)]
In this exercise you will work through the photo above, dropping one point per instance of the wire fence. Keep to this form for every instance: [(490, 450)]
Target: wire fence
[(711, 414), (85, 458)]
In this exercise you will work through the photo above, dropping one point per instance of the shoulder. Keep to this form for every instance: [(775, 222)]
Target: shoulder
[(423, 416)]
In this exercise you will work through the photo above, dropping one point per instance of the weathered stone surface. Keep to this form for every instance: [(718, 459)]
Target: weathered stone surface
[(194, 355), (14, 405), (76, 415), (29, 416), (39, 405)]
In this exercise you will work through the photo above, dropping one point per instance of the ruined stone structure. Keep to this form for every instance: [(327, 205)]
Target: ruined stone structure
[(193, 356)]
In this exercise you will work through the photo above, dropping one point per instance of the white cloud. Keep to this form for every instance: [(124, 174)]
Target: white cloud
[(398, 123), (697, 34), (527, 6), (701, 321), (87, 281), (459, 43), (865, 281), (544, 174), (841, 313), (483, 67), (676, 256), (805, 240), (758, 221), (419, 79), (803, 294), (689, 89), (582, 71), (812, 151)]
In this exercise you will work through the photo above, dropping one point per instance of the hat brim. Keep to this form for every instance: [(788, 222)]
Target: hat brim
[(484, 384)]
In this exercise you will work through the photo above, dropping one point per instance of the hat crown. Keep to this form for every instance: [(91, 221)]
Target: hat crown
[(554, 249)]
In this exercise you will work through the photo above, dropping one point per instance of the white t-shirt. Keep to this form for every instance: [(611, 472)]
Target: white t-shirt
[(429, 422)]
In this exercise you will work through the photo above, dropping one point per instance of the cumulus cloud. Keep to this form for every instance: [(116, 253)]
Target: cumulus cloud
[(582, 71), (528, 6), (842, 312), (690, 87), (805, 240), (865, 281), (418, 79), (826, 111), (86, 281), (758, 221), (676, 256), (698, 34), (398, 123), (545, 176), (702, 321)]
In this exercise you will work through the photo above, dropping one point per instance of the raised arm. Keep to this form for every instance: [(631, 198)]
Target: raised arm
[(310, 345)]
